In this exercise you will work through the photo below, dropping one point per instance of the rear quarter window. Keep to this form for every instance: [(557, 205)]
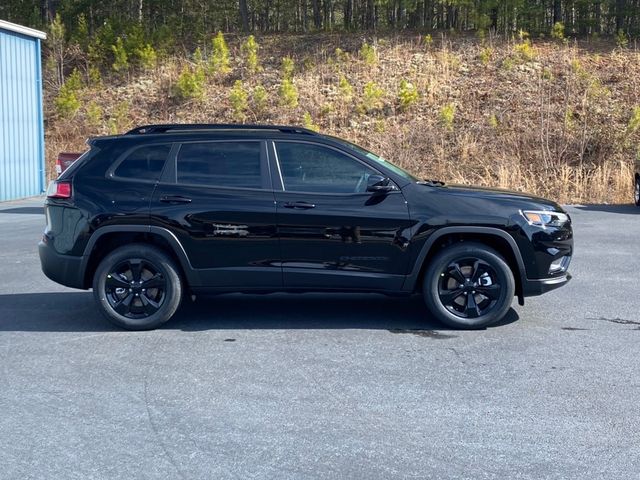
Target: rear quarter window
[(144, 163)]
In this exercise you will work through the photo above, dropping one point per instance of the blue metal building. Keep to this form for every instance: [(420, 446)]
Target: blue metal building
[(22, 165)]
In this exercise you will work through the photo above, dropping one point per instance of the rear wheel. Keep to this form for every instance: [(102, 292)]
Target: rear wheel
[(137, 287), (468, 285), (636, 192)]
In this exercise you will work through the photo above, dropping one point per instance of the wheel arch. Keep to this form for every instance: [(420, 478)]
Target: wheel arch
[(106, 239), (495, 238)]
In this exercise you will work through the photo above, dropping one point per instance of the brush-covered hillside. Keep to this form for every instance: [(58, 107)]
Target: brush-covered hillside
[(551, 117)]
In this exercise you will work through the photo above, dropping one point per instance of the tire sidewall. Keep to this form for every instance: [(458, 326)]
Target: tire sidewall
[(438, 265), (161, 261), (636, 188)]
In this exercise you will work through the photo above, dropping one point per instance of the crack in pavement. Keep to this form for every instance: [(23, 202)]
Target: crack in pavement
[(154, 427), (621, 321), (423, 333)]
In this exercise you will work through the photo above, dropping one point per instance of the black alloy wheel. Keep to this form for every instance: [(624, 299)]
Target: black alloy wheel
[(137, 287), (468, 285)]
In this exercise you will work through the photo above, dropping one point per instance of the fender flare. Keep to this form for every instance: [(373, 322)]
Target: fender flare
[(413, 277), (172, 240)]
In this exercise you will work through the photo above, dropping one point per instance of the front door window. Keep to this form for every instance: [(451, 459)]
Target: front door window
[(306, 167)]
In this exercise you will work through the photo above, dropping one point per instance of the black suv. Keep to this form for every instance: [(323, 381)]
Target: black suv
[(163, 211)]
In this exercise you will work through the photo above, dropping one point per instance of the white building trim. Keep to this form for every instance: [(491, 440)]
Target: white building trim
[(29, 32)]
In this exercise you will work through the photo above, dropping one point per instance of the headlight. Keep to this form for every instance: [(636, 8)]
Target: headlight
[(545, 218)]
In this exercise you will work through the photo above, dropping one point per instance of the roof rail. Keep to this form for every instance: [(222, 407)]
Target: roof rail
[(188, 127)]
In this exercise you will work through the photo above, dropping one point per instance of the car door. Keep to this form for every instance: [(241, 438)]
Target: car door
[(218, 200), (333, 233)]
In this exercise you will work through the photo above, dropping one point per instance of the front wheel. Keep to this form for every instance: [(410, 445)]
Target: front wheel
[(137, 287), (468, 285), (636, 192)]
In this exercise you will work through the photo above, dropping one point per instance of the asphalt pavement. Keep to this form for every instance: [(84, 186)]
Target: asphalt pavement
[(321, 386)]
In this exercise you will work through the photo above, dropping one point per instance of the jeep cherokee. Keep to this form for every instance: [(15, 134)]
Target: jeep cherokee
[(146, 217)]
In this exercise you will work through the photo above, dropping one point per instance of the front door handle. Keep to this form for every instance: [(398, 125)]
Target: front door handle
[(299, 205), (174, 199)]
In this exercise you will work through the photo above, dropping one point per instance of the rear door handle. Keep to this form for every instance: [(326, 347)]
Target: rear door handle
[(174, 199), (299, 205)]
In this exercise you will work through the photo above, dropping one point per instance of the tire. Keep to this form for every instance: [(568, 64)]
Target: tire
[(137, 287), (636, 191), (478, 302)]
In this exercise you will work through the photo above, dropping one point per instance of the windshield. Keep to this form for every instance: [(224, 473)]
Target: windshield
[(379, 160)]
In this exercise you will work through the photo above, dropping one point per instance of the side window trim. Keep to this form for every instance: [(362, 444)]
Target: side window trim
[(265, 174), (274, 167), (171, 174), (110, 173), (278, 170)]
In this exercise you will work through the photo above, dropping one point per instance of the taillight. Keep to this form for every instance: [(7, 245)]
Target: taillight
[(59, 190), (64, 161)]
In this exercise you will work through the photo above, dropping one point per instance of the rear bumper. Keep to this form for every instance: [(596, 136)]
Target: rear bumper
[(63, 269), (532, 288)]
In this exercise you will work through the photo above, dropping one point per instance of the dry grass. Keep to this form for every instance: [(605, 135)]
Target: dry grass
[(556, 125)]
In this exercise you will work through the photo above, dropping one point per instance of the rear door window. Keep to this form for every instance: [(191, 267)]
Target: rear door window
[(220, 164), (144, 163)]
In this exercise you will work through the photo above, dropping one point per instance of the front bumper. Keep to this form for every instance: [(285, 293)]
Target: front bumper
[(63, 269), (532, 288)]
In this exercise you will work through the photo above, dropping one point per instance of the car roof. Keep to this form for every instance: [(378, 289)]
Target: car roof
[(180, 132), (213, 127)]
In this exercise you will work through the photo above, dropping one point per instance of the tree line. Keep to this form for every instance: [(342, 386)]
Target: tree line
[(193, 20)]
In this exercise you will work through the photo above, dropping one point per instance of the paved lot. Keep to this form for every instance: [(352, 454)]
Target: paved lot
[(317, 386)]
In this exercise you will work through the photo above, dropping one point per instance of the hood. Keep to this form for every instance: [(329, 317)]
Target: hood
[(517, 199)]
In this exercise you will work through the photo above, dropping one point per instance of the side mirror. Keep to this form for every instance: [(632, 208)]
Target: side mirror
[(379, 184)]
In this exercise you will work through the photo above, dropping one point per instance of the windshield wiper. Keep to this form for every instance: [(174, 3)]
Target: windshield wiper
[(431, 183)]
